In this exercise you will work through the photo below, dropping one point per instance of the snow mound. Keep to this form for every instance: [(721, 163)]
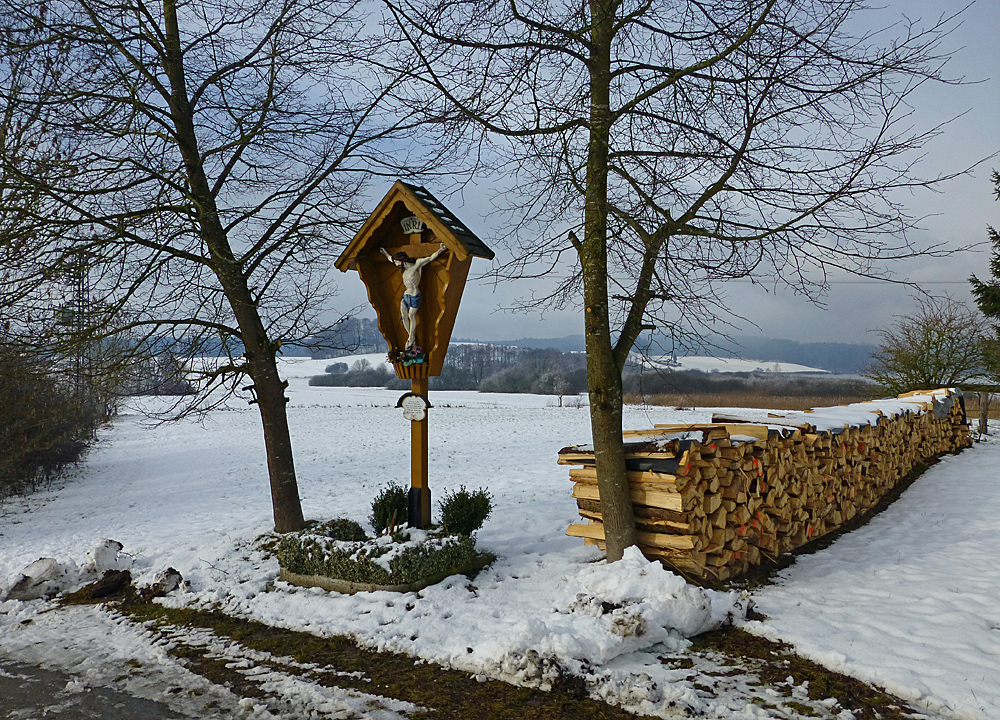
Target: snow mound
[(47, 577), (602, 611), (639, 603)]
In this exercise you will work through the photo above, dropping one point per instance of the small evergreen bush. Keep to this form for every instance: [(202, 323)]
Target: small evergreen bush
[(381, 561), (341, 529), (464, 512), (388, 508)]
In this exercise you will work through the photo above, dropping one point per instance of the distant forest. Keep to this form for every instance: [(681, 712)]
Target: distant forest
[(505, 368), (353, 336), (839, 358), (356, 336), (482, 367)]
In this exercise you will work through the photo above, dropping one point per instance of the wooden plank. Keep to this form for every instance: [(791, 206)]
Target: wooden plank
[(734, 421), (651, 498), (689, 561), (654, 431), (681, 528), (575, 458), (911, 393), (688, 497), (658, 454), (657, 540), (641, 512), (644, 476), (685, 427)]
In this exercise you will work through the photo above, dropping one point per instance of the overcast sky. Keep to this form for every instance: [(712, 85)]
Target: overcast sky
[(956, 215)]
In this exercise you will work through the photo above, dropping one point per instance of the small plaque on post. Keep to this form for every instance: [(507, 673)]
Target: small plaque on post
[(414, 406)]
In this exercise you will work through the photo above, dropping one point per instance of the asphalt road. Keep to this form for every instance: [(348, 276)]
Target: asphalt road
[(33, 693)]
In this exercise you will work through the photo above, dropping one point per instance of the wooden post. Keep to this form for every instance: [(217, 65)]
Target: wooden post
[(984, 412), (413, 226), (419, 501)]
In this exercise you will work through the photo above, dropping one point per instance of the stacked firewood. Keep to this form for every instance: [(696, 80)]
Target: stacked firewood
[(711, 500)]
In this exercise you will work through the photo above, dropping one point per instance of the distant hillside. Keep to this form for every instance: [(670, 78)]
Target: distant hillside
[(841, 358), (838, 358)]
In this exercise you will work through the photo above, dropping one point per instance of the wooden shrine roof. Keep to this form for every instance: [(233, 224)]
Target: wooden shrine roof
[(449, 229), (471, 241)]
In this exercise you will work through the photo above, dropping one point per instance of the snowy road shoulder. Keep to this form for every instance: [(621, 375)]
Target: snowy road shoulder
[(102, 650)]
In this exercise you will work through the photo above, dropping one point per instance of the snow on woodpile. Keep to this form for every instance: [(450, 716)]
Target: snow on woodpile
[(712, 500)]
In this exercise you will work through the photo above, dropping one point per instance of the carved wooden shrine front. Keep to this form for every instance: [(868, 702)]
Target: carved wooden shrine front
[(413, 256)]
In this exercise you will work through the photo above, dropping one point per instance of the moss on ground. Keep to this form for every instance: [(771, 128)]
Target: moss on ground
[(775, 662), (448, 694), (454, 695)]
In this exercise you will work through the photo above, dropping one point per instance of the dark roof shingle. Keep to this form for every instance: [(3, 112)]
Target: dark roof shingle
[(474, 245)]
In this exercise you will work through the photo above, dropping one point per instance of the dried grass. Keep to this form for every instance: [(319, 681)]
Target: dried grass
[(780, 402), (743, 400), (972, 407)]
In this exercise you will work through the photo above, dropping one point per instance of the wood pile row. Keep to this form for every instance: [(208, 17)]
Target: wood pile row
[(711, 500)]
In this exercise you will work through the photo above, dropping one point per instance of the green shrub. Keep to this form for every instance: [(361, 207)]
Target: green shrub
[(341, 529), (464, 512), (388, 508), (380, 562)]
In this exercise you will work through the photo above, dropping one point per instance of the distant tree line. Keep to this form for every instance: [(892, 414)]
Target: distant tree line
[(482, 367), (659, 382), (355, 336), (840, 358), (351, 336), (504, 368), (160, 374)]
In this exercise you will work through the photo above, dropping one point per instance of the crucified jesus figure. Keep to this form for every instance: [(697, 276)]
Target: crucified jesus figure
[(408, 306)]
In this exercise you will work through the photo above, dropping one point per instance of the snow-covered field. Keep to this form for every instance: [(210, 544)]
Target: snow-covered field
[(909, 601)]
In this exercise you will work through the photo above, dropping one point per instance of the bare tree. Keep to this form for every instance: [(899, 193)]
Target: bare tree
[(939, 345), (200, 162), (668, 145)]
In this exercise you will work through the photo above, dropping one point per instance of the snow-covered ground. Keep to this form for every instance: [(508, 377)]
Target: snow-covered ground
[(909, 601)]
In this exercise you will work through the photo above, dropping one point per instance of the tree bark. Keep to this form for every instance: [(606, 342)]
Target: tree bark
[(259, 350), (984, 412), (604, 379)]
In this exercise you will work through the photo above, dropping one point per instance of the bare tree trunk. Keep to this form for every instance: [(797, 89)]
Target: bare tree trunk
[(984, 412), (271, 401), (604, 380), (260, 352), (605, 385)]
